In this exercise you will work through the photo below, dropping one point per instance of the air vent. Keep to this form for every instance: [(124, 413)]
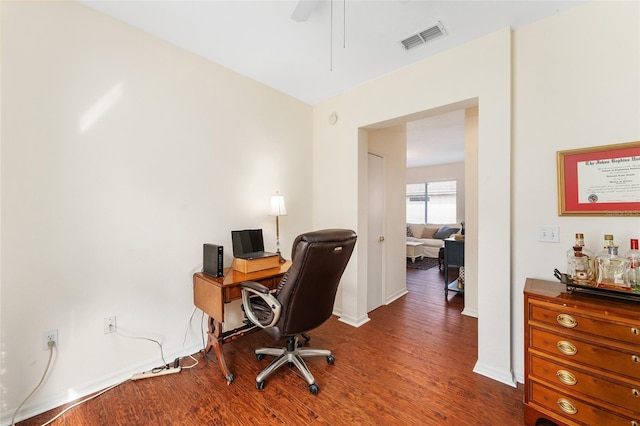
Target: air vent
[(424, 36)]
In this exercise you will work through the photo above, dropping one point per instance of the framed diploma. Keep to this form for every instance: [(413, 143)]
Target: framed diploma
[(600, 181)]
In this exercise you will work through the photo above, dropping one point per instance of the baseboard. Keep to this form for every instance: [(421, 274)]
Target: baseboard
[(355, 322), (36, 407), (502, 376), (470, 313), (396, 296), (519, 376)]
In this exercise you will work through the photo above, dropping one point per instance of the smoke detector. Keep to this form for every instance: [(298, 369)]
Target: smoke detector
[(424, 36)]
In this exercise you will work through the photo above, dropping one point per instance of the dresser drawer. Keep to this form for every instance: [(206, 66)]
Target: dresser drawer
[(565, 318), (577, 350), (575, 410), (576, 380)]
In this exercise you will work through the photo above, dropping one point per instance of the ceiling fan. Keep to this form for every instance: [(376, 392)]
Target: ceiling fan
[(304, 9)]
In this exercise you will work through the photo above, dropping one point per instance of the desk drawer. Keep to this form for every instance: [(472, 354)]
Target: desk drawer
[(565, 318), (601, 357), (625, 395), (575, 410), (235, 292)]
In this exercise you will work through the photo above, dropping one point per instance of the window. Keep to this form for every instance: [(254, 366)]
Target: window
[(431, 202)]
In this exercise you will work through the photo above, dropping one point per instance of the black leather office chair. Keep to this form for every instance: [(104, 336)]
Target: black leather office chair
[(303, 300)]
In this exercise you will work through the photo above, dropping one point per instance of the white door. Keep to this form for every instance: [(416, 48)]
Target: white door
[(376, 210)]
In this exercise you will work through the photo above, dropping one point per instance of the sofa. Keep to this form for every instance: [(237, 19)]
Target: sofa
[(431, 236)]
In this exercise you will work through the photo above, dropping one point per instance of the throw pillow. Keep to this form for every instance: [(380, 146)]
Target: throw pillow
[(409, 232), (416, 229), (445, 232), (429, 231)]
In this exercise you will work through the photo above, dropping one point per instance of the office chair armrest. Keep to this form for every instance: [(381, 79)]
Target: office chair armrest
[(253, 288)]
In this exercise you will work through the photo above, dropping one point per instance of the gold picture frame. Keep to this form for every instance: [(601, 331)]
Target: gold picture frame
[(599, 181)]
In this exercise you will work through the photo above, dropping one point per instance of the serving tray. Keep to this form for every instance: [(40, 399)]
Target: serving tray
[(592, 287)]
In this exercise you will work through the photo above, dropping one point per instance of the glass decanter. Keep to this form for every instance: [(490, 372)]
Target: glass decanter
[(612, 269)]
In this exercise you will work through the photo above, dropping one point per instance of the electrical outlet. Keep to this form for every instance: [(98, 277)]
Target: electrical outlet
[(110, 325), (49, 336)]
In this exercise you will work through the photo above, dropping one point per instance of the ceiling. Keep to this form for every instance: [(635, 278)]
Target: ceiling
[(341, 45)]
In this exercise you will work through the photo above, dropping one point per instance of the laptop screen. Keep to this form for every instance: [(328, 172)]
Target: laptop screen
[(247, 241)]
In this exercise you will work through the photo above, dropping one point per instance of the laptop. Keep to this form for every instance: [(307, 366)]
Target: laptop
[(248, 244)]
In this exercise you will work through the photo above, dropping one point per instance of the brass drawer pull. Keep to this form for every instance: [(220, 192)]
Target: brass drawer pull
[(566, 377), (635, 392), (635, 331), (568, 348), (566, 320), (566, 406), (635, 358), (634, 423)]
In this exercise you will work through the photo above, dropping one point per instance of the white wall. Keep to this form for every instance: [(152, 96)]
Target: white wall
[(471, 204), (108, 217), (475, 74), (573, 88)]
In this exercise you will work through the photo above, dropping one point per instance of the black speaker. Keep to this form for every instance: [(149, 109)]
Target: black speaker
[(212, 260)]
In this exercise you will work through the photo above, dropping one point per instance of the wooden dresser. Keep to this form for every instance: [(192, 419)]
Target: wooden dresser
[(582, 357)]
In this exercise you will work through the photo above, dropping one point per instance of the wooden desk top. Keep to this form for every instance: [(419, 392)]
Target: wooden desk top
[(233, 277)]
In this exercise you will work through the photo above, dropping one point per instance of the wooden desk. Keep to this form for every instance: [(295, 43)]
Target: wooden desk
[(210, 294)]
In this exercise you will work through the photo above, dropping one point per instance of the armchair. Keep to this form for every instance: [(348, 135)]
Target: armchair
[(303, 300)]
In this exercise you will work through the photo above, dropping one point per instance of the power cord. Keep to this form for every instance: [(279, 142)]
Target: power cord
[(155, 370), (83, 401), (51, 346), (184, 341)]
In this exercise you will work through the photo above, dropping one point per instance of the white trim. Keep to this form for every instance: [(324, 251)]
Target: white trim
[(470, 313), (396, 296), (503, 376), (355, 322)]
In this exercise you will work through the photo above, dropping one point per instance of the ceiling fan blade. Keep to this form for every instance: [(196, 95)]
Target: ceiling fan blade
[(304, 9)]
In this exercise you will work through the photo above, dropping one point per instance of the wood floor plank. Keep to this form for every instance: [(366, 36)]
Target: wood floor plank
[(411, 364)]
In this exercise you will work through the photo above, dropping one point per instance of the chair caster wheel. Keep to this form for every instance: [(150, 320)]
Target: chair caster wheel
[(260, 385), (314, 389), (259, 357), (330, 360)]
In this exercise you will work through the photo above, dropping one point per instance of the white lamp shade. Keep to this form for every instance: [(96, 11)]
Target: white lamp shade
[(277, 206)]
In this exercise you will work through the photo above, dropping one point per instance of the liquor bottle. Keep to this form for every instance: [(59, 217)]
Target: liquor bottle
[(613, 270), (633, 256), (580, 266), (585, 252), (608, 242)]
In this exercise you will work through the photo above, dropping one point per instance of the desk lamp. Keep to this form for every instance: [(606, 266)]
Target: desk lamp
[(278, 209)]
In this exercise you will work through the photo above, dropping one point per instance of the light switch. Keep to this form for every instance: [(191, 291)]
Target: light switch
[(549, 234)]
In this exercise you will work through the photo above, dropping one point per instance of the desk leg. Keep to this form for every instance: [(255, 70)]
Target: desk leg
[(214, 340)]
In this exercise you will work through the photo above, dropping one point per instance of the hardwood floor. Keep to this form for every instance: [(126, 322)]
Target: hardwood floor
[(410, 365)]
